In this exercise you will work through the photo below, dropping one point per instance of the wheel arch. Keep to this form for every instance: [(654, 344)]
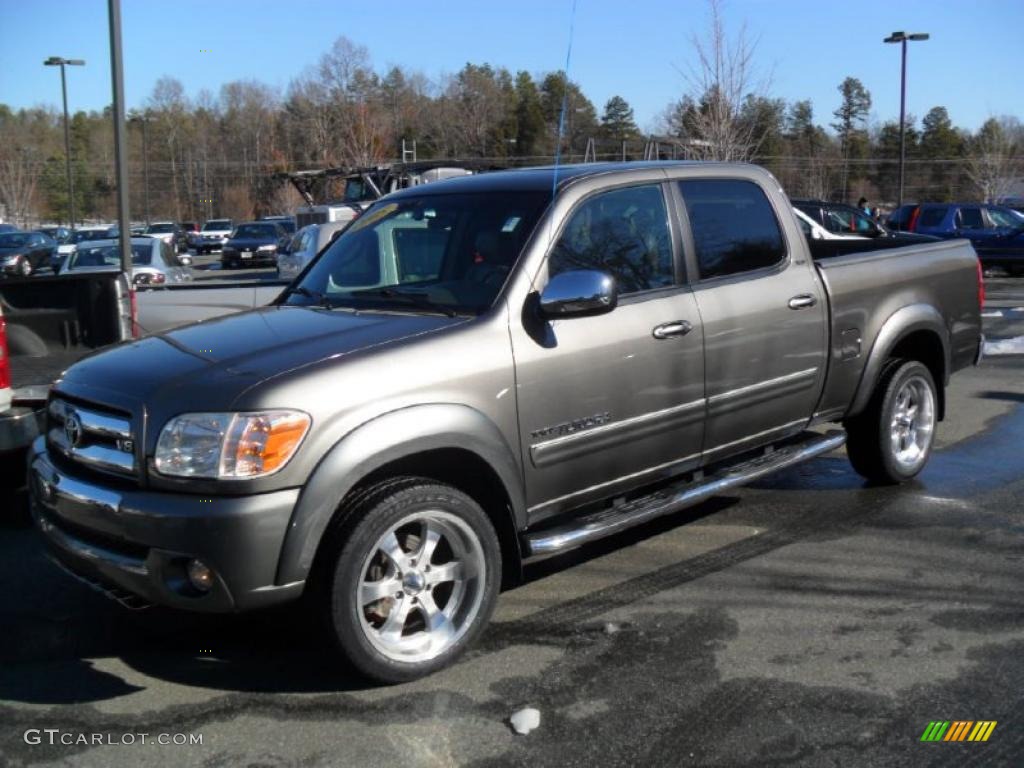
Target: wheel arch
[(455, 444), (914, 332)]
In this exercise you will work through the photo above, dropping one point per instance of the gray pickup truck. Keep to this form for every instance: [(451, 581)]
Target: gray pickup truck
[(556, 355)]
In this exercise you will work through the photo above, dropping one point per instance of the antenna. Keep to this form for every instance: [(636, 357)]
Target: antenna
[(565, 101)]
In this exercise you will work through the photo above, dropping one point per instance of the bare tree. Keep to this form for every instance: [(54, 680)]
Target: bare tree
[(20, 162), (994, 157), (710, 114)]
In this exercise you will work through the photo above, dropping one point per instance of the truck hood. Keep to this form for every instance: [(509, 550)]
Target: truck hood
[(206, 365)]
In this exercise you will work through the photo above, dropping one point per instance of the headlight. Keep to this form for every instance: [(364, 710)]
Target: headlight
[(229, 445), (8, 260), (267, 248)]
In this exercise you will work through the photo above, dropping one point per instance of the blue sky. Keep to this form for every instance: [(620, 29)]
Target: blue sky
[(636, 49)]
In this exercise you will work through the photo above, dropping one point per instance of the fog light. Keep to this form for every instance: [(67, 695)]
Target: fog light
[(199, 575)]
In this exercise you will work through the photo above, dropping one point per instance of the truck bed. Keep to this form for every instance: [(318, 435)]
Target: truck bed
[(867, 288), (54, 321)]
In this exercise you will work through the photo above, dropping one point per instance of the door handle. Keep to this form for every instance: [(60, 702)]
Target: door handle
[(671, 330), (803, 301)]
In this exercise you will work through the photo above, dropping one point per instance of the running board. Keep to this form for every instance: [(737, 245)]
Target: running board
[(606, 522)]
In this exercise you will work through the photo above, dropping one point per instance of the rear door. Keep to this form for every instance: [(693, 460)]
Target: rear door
[(763, 311)]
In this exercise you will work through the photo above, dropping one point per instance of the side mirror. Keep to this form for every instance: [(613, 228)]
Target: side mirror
[(579, 293)]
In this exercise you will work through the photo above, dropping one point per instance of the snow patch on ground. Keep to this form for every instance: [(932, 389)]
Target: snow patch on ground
[(525, 720), (1011, 346)]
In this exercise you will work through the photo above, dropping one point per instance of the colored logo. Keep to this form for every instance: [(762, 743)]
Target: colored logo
[(958, 730)]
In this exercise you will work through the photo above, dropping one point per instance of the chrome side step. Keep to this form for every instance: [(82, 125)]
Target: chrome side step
[(606, 522)]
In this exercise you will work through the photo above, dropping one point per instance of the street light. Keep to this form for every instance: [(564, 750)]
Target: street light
[(57, 61), (902, 38), (143, 118)]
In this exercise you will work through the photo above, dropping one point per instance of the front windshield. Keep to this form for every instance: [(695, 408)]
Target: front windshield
[(221, 225), (109, 256), (13, 240), (450, 251), (159, 229), (1004, 217)]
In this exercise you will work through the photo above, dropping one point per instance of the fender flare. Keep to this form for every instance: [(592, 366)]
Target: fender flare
[(382, 440), (899, 325)]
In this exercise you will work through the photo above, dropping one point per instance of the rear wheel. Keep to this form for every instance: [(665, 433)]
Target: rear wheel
[(891, 441), (413, 581)]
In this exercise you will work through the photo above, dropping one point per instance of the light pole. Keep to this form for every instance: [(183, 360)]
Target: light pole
[(142, 119), (902, 38), (57, 61)]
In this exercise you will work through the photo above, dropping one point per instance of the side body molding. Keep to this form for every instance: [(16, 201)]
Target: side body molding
[(901, 323), (381, 440)]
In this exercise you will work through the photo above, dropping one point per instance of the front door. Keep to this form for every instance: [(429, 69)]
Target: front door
[(605, 402), (764, 314)]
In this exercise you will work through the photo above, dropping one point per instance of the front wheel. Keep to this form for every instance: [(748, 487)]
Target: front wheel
[(891, 441), (414, 581), (24, 267)]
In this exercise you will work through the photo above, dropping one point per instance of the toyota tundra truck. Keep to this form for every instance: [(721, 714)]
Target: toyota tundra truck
[(489, 370)]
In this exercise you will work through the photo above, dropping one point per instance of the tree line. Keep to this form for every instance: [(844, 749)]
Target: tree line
[(222, 155)]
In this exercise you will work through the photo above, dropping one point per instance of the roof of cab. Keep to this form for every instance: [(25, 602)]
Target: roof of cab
[(541, 178)]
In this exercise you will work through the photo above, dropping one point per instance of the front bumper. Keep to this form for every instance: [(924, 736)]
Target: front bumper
[(139, 542)]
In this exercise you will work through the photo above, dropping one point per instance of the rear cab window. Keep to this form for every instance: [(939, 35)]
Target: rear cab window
[(734, 227)]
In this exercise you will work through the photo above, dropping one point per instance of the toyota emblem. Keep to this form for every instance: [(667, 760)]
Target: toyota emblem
[(73, 429)]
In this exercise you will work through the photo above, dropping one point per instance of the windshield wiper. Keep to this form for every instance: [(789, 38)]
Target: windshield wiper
[(416, 299), (316, 296)]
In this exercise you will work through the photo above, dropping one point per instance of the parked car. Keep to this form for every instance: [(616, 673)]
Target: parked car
[(64, 238), (548, 365), (255, 242), (154, 262), (993, 230), (287, 223), (306, 244), (23, 253), (214, 234), (85, 234), (955, 219), (845, 220), (169, 232)]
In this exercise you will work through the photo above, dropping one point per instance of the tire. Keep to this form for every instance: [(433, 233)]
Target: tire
[(379, 607), (891, 441), (25, 268)]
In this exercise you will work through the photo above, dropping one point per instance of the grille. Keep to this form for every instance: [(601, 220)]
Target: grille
[(95, 438)]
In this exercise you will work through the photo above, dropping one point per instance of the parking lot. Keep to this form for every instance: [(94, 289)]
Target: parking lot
[(808, 619)]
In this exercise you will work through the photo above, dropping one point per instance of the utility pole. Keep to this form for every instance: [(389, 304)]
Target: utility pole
[(120, 147), (57, 61)]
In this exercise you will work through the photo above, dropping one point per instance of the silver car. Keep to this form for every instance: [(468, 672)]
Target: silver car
[(306, 244), (154, 262)]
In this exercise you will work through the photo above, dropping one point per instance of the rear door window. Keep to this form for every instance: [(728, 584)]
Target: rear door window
[(931, 217), (734, 226), (623, 232)]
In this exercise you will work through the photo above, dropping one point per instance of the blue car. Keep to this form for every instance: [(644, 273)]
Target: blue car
[(997, 232)]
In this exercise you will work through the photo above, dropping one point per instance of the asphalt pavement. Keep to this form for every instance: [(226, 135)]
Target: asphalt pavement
[(807, 620)]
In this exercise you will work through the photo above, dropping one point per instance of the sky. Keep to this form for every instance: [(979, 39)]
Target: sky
[(636, 49)]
